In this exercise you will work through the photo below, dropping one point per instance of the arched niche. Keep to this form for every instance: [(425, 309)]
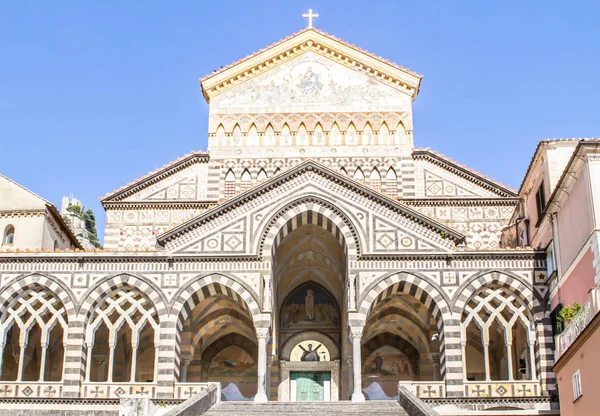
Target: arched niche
[(319, 337)]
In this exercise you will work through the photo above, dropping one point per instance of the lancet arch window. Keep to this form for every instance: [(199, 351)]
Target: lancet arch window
[(391, 183), (269, 137), (252, 137), (33, 334), (375, 180), (359, 176), (246, 180), (230, 184), (262, 176), (498, 337), (122, 338)]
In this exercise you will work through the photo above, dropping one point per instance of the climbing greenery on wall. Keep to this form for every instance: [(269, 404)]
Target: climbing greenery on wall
[(89, 222)]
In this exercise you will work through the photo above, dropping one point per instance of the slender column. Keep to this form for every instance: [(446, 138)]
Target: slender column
[(463, 348), (509, 361), (267, 293), (532, 366), (134, 351), (43, 361), (21, 361), (262, 335), (185, 363), (111, 363), (88, 367), (435, 364), (356, 333), (486, 358), (351, 295)]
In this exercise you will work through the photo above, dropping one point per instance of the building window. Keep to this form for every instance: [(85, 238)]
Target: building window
[(540, 200), (577, 385), (9, 235)]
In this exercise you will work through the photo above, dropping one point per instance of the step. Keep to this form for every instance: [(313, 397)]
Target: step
[(307, 408)]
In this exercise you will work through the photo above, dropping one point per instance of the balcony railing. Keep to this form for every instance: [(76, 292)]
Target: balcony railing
[(588, 310)]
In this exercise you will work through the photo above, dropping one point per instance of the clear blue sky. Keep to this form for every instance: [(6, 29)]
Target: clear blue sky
[(96, 94)]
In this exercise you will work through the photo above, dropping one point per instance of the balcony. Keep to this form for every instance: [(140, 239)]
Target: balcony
[(588, 310)]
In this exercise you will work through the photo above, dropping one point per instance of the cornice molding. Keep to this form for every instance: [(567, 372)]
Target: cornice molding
[(463, 172), (302, 42), (156, 176)]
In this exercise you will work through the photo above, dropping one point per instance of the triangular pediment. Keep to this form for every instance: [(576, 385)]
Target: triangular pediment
[(445, 178), (318, 43), (383, 226), (182, 180)]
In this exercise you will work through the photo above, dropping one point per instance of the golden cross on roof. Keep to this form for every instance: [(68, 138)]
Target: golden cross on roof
[(310, 16)]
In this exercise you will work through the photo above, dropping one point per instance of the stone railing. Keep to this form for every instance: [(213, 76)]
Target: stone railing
[(588, 310), (188, 390), (524, 388), (105, 390), (199, 403), (425, 389), (412, 404), (30, 389)]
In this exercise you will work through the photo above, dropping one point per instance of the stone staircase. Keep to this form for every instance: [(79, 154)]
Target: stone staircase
[(307, 408)]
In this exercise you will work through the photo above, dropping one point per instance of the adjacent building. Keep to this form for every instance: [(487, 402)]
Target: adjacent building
[(560, 212)]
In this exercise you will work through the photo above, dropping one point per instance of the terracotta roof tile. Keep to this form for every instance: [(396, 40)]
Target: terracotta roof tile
[(280, 41)]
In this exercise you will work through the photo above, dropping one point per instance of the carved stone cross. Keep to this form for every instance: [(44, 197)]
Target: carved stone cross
[(310, 16)]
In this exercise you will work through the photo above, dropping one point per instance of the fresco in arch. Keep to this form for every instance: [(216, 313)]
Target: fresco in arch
[(236, 370), (309, 306), (382, 370), (312, 80)]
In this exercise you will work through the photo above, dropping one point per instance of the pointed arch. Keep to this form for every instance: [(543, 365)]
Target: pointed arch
[(245, 180), (229, 189), (391, 183), (384, 134), (359, 175), (400, 135), (252, 136), (335, 137), (343, 171), (375, 179), (351, 136), (302, 136), (277, 171), (367, 135), (262, 175), (236, 136), (318, 137), (221, 137), (285, 137), (269, 137)]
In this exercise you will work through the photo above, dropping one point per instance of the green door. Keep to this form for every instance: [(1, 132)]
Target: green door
[(310, 386)]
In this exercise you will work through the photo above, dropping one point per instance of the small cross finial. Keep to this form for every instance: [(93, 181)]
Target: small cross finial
[(310, 16)]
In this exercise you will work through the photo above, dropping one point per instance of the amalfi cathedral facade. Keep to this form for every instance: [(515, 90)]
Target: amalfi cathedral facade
[(311, 253)]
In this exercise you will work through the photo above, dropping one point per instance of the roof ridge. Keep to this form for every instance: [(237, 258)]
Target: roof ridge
[(26, 189), (330, 36), (471, 170), (154, 172)]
